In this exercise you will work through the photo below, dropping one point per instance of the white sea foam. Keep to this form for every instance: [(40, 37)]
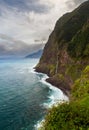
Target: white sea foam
[(57, 96), (39, 124)]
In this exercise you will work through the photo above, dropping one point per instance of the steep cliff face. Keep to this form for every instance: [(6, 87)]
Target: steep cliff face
[(66, 53)]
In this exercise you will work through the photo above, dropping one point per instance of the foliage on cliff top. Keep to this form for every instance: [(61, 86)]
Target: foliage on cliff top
[(69, 24)]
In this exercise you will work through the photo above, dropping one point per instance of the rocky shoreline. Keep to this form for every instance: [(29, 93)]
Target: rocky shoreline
[(58, 83)]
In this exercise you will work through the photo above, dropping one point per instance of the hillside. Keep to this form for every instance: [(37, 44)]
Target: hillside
[(66, 53), (73, 115), (66, 60), (37, 54)]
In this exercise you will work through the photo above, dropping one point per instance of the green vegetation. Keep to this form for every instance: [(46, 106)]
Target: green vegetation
[(73, 115), (79, 45), (80, 91), (67, 117), (74, 70)]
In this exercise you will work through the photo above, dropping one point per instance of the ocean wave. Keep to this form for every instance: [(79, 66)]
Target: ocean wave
[(56, 96)]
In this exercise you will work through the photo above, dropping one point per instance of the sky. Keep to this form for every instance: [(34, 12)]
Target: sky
[(25, 25)]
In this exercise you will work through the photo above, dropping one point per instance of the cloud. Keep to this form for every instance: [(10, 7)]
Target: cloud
[(11, 47), (25, 25), (26, 5), (78, 1), (74, 3)]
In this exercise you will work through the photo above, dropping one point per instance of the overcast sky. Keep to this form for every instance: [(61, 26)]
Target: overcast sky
[(26, 24)]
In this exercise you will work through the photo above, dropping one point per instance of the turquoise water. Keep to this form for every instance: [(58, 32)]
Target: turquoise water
[(24, 95)]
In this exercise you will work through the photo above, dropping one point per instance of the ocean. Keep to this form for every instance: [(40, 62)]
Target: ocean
[(25, 96)]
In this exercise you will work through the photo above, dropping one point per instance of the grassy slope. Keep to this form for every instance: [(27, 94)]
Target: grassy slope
[(73, 115)]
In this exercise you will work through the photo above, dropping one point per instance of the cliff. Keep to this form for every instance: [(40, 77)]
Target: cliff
[(66, 53)]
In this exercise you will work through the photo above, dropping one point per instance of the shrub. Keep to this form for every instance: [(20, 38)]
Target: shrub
[(67, 116)]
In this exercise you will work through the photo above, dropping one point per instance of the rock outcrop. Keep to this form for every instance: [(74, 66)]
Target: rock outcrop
[(66, 53)]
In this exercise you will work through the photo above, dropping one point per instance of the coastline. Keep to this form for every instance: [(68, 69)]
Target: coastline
[(61, 96), (56, 86), (66, 90), (57, 83)]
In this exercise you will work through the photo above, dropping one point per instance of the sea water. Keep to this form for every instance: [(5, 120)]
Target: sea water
[(25, 96)]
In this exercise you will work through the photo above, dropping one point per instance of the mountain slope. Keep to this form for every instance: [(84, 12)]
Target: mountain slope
[(66, 53), (35, 54), (66, 60)]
